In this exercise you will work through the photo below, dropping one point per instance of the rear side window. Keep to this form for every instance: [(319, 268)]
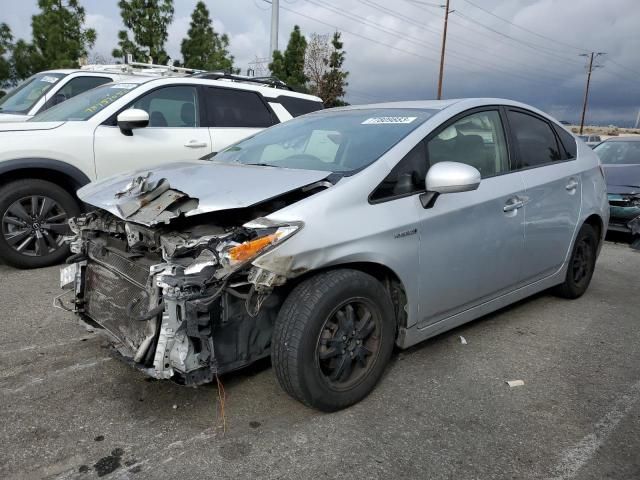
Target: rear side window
[(74, 87), (534, 138), (568, 142), (237, 108), (298, 106)]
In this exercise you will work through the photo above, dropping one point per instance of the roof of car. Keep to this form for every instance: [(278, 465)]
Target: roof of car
[(265, 90), (442, 104), (624, 139)]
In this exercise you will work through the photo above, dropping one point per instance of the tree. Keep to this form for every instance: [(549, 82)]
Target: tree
[(290, 66), (148, 20), (5, 48), (316, 61), (204, 48), (59, 39), (334, 81)]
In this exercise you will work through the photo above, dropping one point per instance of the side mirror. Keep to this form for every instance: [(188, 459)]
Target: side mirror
[(452, 177), (132, 118)]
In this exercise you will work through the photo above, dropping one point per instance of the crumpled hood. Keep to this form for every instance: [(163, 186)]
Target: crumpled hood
[(155, 196), (622, 178), (17, 126)]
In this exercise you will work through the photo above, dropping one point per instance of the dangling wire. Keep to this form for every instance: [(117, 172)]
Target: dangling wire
[(222, 397)]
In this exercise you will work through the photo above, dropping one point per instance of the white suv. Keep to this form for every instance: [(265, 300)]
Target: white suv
[(46, 89), (113, 128)]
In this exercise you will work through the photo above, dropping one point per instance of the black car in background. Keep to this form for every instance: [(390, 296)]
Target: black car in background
[(620, 157)]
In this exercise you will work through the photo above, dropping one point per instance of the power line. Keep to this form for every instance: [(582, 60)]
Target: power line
[(407, 38), (537, 48), (523, 28)]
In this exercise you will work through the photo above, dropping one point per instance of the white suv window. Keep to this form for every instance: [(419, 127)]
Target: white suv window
[(171, 107)]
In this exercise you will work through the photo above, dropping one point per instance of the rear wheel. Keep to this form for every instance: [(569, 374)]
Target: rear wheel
[(333, 338), (581, 264), (33, 221)]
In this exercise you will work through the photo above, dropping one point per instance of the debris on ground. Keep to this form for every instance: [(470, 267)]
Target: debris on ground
[(463, 340), (515, 383)]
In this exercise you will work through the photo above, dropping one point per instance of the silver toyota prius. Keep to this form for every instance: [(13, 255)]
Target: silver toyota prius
[(326, 240)]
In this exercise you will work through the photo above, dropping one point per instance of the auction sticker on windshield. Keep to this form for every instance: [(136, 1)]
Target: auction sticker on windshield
[(49, 79), (387, 120)]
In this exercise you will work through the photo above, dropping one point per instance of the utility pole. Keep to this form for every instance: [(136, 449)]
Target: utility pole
[(444, 43), (275, 14), (591, 56)]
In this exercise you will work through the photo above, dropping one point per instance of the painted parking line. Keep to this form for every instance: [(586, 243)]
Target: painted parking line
[(577, 456)]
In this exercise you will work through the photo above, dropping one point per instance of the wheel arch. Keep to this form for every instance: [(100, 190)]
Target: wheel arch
[(595, 221), (385, 275), (66, 176)]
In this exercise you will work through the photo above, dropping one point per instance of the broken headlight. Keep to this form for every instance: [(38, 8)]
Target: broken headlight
[(233, 254)]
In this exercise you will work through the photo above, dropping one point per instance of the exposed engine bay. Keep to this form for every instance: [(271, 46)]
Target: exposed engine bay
[(180, 299)]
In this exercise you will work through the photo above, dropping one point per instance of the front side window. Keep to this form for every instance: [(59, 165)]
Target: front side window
[(22, 98), (534, 139), (171, 107), (84, 106), (340, 141), (619, 153), (228, 107), (74, 87), (477, 140)]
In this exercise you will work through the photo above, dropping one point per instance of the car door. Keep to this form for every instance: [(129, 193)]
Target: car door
[(471, 243), (174, 133), (234, 114), (552, 191)]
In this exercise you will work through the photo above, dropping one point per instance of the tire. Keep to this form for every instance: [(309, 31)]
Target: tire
[(33, 220), (581, 264), (313, 361)]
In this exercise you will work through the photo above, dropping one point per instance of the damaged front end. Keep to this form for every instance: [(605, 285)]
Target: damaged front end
[(180, 300)]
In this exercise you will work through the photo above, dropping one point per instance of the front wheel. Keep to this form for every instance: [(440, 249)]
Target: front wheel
[(333, 338), (581, 264), (33, 221)]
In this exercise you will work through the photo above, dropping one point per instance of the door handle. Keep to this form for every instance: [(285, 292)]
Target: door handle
[(513, 204), (572, 185), (195, 144)]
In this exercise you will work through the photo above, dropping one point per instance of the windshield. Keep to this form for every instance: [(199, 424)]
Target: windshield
[(22, 98), (84, 106), (336, 141), (619, 153)]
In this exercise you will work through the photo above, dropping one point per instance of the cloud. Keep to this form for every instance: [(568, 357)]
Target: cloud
[(393, 49)]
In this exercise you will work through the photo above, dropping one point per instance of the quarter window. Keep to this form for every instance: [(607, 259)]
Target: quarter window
[(568, 142), (535, 140), (237, 108), (477, 140), (171, 107)]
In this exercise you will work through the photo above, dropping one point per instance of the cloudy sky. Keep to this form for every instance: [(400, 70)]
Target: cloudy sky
[(393, 48)]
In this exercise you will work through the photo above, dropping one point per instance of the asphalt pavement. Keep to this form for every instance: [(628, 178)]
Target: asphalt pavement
[(442, 411)]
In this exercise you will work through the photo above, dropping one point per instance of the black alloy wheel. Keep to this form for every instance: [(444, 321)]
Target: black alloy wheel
[(34, 217), (35, 225), (349, 343)]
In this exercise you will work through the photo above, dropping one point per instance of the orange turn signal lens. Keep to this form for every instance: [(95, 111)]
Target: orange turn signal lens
[(247, 250)]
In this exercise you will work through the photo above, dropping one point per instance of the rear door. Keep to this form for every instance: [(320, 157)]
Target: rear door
[(234, 114), (175, 133), (552, 191)]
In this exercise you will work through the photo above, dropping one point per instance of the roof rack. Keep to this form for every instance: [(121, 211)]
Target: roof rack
[(130, 67), (274, 82)]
